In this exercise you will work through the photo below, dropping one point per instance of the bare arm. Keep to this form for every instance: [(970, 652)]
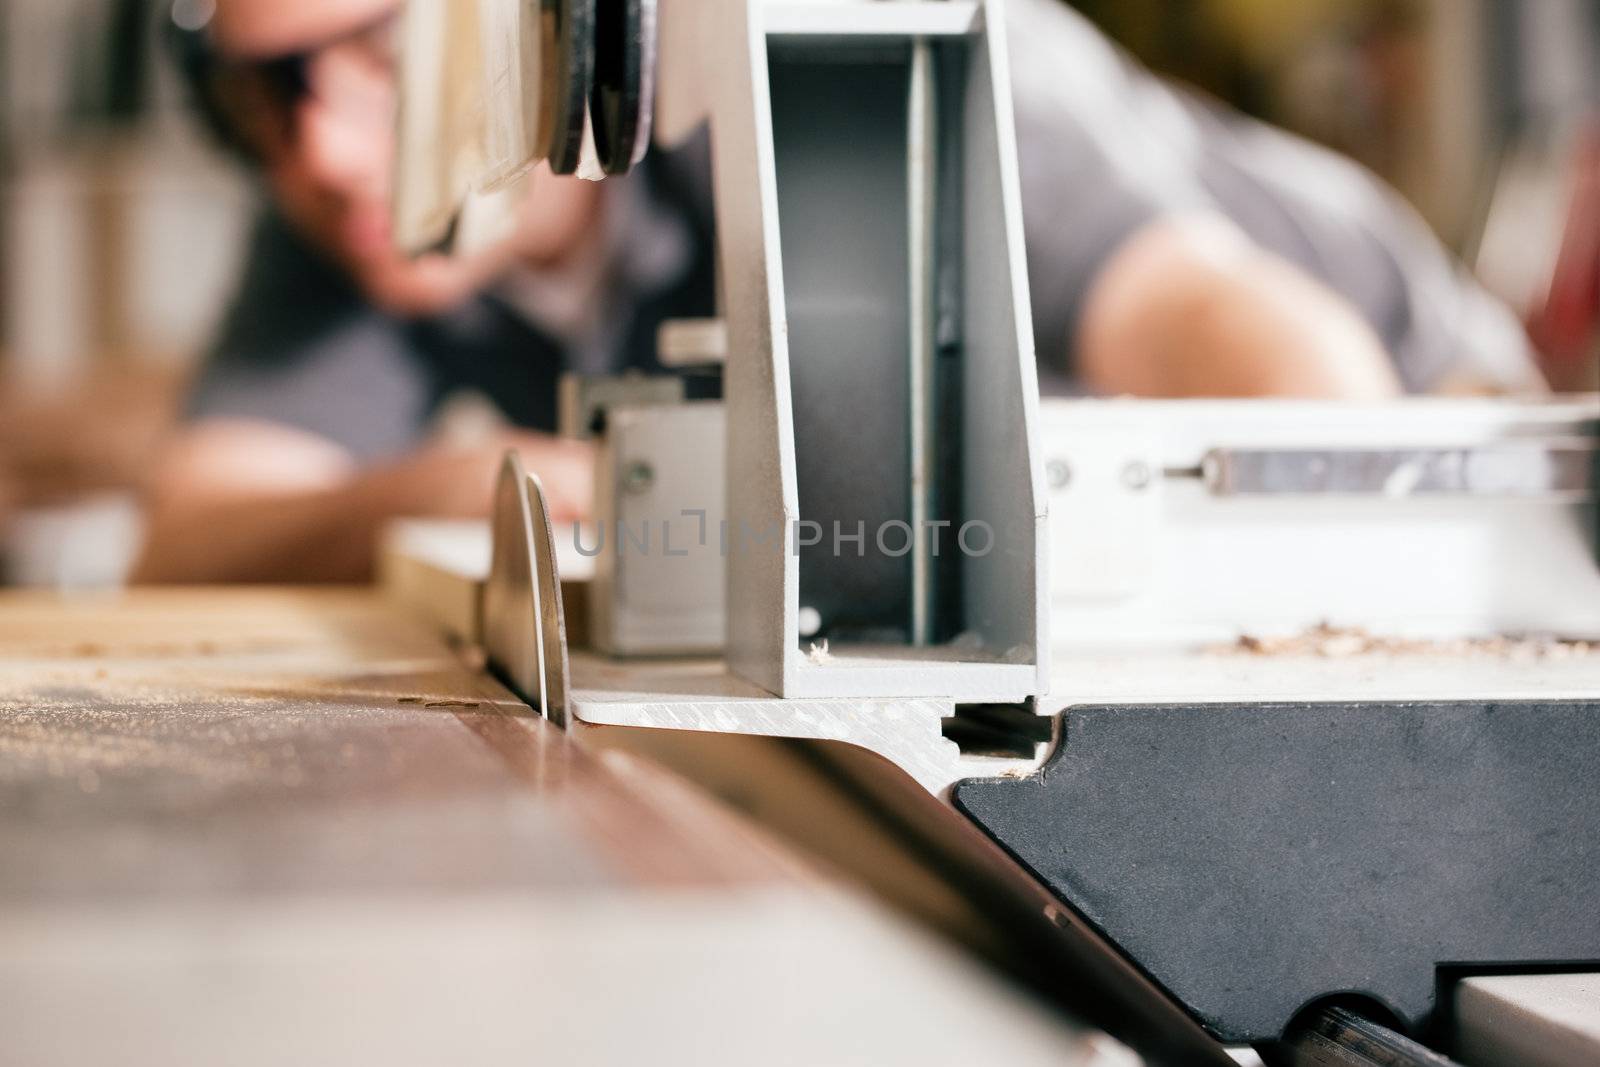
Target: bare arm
[(240, 500), (1193, 308)]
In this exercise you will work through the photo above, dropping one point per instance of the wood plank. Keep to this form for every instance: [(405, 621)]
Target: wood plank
[(267, 826), (1533, 1020), (166, 742)]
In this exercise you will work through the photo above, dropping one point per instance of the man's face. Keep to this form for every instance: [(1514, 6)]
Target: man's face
[(329, 161)]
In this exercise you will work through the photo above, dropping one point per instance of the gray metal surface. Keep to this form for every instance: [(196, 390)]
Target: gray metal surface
[(1370, 526), (810, 159), (1334, 1036), (660, 574), (583, 398), (905, 18), (1003, 592), (922, 224), (1529, 469), (692, 342), (1168, 572), (704, 696), (713, 67), (839, 130)]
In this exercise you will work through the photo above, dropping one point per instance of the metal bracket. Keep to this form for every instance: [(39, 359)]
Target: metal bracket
[(1523, 470)]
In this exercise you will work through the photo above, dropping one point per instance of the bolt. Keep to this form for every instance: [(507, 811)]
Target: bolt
[(810, 621), (638, 477), (1058, 474)]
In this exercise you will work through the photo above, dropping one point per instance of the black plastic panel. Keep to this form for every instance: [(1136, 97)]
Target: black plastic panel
[(1252, 858)]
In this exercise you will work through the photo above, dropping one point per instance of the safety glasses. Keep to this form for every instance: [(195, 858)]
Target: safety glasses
[(254, 101)]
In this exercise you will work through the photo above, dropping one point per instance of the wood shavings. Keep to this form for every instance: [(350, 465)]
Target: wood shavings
[(818, 652), (1342, 642)]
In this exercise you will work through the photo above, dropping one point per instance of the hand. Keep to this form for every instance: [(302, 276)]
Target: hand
[(565, 468), (458, 482), (242, 500)]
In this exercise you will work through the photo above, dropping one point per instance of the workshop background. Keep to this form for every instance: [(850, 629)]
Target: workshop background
[(121, 230)]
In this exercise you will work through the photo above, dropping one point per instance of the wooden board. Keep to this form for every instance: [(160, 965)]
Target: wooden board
[(852, 810), (269, 826), (1533, 1020)]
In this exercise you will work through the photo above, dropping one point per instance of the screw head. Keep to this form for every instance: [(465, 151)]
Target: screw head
[(1057, 473), (1136, 475), (810, 621), (637, 477)]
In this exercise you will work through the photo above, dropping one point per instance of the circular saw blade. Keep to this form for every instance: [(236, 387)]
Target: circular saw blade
[(566, 64), (524, 625), (511, 617), (547, 601), (620, 97)]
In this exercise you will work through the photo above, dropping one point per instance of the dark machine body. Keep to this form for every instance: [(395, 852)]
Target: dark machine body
[(1256, 860)]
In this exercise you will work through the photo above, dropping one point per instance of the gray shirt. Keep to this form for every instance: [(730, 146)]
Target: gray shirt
[(1105, 149)]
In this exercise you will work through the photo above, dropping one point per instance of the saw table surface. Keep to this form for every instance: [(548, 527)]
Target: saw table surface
[(272, 825)]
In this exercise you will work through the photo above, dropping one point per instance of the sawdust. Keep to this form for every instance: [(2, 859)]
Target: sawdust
[(818, 652), (135, 649), (1343, 642)]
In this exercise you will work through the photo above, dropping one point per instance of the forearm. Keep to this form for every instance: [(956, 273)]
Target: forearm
[(247, 501), (240, 501), (317, 536), (1197, 310)]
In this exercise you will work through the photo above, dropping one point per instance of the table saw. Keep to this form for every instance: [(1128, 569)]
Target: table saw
[(254, 826), (1210, 724), (1292, 708)]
